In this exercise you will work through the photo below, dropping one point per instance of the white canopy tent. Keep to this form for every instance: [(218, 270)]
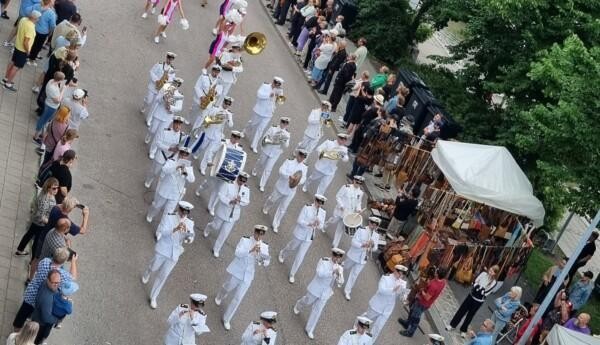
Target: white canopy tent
[(562, 336), (488, 175)]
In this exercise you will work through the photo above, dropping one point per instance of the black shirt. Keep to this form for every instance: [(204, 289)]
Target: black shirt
[(588, 249), (404, 207), (64, 10), (63, 175)]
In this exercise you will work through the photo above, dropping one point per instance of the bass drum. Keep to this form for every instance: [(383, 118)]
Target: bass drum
[(228, 163), (351, 222)]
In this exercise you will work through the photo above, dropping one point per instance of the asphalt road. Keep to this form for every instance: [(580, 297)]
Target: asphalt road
[(112, 305)]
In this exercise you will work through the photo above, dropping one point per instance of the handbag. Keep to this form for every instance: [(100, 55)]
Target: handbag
[(464, 274)]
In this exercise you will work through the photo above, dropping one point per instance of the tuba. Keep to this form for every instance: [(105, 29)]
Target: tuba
[(169, 94), (332, 155), (255, 43), (217, 119), (276, 139), (209, 98)]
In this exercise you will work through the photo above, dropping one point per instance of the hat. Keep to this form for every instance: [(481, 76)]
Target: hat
[(244, 175), (364, 321), (358, 178), (375, 220), (228, 99), (185, 205), (35, 14), (285, 119), (342, 135), (278, 80), (337, 251), (185, 149), (270, 316), (262, 228), (326, 103), (178, 118), (216, 67), (237, 134), (437, 339), (69, 287), (401, 268), (321, 198), (198, 297), (379, 99), (171, 55), (78, 94), (178, 80), (302, 152)]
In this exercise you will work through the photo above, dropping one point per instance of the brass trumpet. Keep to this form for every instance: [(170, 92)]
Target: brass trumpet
[(255, 43), (213, 120), (332, 155)]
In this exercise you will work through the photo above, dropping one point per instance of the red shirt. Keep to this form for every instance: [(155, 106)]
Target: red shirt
[(434, 289)]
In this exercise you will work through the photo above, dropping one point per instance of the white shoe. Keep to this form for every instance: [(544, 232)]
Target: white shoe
[(197, 192), (211, 212), (147, 184), (153, 304), (35, 89), (153, 10), (145, 279), (275, 229), (261, 188), (253, 172), (310, 335), (254, 150), (156, 39), (203, 172), (147, 139), (226, 325), (265, 211), (163, 34), (304, 189), (149, 219), (292, 280), (214, 31), (280, 257), (144, 15), (463, 335), (449, 328), (216, 254), (296, 311), (217, 301), (347, 295)]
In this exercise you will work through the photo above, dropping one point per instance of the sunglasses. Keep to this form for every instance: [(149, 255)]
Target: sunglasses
[(54, 188)]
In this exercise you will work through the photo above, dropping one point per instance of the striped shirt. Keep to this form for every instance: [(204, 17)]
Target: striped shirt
[(53, 241)]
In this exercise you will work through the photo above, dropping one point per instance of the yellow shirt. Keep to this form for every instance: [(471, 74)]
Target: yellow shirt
[(25, 28)]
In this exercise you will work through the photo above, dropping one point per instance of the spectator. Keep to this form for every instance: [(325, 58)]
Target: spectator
[(361, 52), (325, 53), (56, 238), (484, 336), (62, 60), (346, 73), (54, 132), (54, 95), (43, 306), (59, 257), (65, 26), (549, 278), (423, 301), (380, 79), (44, 26), (482, 287), (581, 291), (389, 86), (405, 205), (26, 336), (64, 144), (309, 12), (559, 314), (61, 170), (3, 7), (364, 110), (579, 324), (359, 84), (536, 329), (23, 43), (585, 255), (78, 105), (44, 203), (338, 58), (505, 307), (63, 304), (65, 9)]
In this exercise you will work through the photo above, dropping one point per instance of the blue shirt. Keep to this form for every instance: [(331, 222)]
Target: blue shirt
[(509, 304), (580, 293), (482, 338), (27, 6), (47, 21), (44, 267)]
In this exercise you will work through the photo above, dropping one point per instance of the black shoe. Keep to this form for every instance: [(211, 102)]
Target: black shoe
[(4, 15), (322, 92), (10, 86), (403, 322), (378, 175), (406, 334)]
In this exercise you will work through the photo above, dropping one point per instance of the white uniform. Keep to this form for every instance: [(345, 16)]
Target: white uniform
[(250, 338), (352, 337), (162, 114), (325, 168), (156, 73), (282, 194), (159, 151), (270, 153), (348, 200), (171, 186), (169, 247), (319, 291), (184, 329), (356, 256), (313, 132), (228, 78), (204, 82), (241, 273), (213, 135), (262, 113), (382, 304), (303, 234), (226, 214)]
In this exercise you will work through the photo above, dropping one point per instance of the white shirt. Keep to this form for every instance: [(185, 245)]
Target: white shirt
[(78, 112), (163, 141), (328, 166), (275, 150), (172, 181), (170, 244), (356, 252), (183, 329), (242, 266), (265, 104), (322, 283), (326, 52), (230, 76), (314, 129), (352, 337), (249, 338), (227, 193), (384, 299), (348, 200), (52, 92), (309, 214), (287, 169)]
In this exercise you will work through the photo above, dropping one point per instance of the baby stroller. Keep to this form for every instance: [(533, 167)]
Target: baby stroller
[(509, 333)]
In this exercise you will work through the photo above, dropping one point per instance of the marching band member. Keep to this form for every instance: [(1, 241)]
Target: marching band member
[(329, 272), (359, 335), (174, 230), (171, 184), (167, 103), (330, 152), (314, 131), (150, 5), (160, 73), (215, 120), (248, 252), (266, 99), (216, 183), (261, 332), (273, 143), (231, 67), (291, 174), (232, 197), (226, 29), (224, 8), (206, 90), (348, 200), (381, 305), (365, 239), (166, 16), (166, 143), (311, 218), (186, 322)]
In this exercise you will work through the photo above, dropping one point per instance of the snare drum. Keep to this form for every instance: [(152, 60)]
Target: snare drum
[(351, 222), (228, 163)]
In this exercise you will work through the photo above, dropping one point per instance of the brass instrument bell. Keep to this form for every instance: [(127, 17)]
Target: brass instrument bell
[(255, 43)]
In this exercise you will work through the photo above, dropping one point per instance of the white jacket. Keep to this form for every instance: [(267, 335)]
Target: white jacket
[(384, 299), (249, 338), (314, 129), (265, 104), (230, 76), (160, 111), (362, 235), (328, 166), (227, 193), (163, 141), (156, 73), (287, 169), (203, 84), (309, 213), (170, 244), (348, 200), (183, 329), (324, 279), (242, 266), (172, 181), (276, 150)]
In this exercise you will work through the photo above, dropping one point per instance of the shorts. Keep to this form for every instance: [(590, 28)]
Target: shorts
[(19, 58)]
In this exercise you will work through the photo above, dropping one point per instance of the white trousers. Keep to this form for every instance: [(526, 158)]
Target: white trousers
[(160, 202), (150, 95), (164, 266), (256, 127), (156, 125), (379, 321), (265, 164), (298, 246), (283, 201), (210, 146), (354, 269), (308, 144), (223, 227), (214, 184), (338, 222), (321, 178), (240, 287), (196, 114), (315, 313), (153, 172), (224, 92)]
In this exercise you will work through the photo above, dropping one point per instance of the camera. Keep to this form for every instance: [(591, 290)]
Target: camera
[(71, 254)]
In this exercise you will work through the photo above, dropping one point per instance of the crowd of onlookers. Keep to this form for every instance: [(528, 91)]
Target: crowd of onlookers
[(62, 106)]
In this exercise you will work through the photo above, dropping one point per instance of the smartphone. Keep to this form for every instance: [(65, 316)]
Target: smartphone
[(80, 206)]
